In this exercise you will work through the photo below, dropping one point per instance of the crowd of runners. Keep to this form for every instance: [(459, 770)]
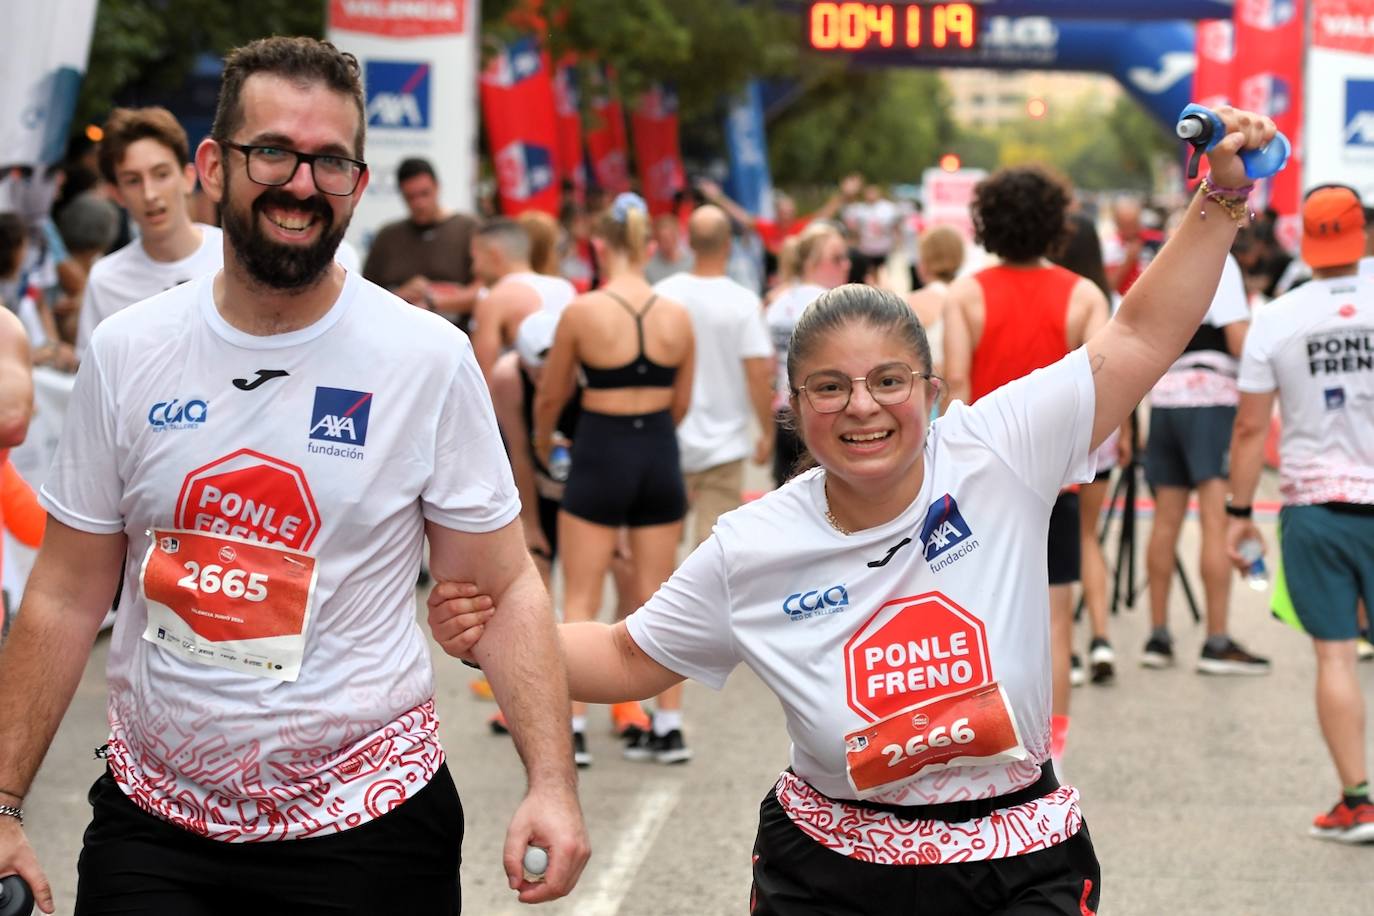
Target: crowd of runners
[(270, 438)]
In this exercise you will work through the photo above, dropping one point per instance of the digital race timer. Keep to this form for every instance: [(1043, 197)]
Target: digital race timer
[(832, 26)]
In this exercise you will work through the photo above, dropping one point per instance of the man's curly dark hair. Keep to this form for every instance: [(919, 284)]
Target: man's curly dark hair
[(1019, 213)]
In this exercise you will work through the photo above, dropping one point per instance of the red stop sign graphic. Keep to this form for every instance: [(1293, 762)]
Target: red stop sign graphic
[(912, 650), (250, 495)]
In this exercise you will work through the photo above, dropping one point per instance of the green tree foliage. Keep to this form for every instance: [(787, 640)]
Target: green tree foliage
[(705, 48), (153, 44), (888, 125), (1122, 154)]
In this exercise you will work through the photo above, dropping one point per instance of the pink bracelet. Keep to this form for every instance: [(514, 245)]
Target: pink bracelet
[(1232, 200)]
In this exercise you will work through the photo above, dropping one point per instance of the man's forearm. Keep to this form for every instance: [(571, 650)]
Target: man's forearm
[(40, 666), (520, 655), (1247, 460)]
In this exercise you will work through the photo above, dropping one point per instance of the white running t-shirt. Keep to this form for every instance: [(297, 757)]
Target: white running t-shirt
[(853, 630), (554, 292), (782, 317), (129, 275), (727, 322), (1315, 346), (1205, 375), (267, 677)]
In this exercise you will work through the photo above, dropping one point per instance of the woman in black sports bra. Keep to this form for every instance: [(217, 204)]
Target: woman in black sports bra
[(635, 353)]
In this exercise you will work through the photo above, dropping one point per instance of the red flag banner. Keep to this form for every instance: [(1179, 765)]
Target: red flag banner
[(522, 131), (606, 135), (1216, 46), (572, 165), (1267, 75), (657, 155)]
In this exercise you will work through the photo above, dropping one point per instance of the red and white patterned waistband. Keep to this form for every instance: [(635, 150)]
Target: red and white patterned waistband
[(887, 839)]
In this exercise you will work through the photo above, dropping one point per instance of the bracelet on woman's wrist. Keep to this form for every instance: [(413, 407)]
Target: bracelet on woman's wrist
[(1232, 200), (1240, 511), (13, 811)]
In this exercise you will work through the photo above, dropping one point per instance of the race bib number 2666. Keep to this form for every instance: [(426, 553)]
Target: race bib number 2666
[(969, 728), (229, 602)]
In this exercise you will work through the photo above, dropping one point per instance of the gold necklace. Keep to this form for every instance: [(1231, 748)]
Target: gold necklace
[(830, 516)]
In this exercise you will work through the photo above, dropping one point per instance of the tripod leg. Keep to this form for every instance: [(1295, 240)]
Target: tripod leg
[(1187, 590)]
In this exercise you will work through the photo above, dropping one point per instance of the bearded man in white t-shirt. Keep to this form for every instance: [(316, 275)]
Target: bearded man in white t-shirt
[(1313, 349), (733, 378), (263, 452), (145, 158)]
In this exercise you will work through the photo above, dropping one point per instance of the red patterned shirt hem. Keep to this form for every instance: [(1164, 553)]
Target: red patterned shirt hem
[(886, 839), (359, 785)]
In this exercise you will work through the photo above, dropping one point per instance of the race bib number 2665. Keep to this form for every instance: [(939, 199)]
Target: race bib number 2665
[(229, 602)]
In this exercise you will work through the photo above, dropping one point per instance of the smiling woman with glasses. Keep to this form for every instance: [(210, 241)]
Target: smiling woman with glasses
[(893, 599)]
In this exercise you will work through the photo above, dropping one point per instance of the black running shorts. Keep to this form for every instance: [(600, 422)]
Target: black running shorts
[(625, 471), (405, 861), (1065, 550), (796, 876)]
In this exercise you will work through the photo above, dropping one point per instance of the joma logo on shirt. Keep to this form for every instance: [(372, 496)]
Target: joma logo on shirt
[(944, 530)]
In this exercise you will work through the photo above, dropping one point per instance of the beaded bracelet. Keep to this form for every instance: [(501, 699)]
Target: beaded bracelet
[(1232, 200)]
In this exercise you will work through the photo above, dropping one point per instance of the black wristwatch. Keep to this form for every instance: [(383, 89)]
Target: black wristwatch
[(1239, 511)]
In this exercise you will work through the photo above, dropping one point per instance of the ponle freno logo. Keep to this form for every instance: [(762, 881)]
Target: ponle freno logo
[(249, 495)]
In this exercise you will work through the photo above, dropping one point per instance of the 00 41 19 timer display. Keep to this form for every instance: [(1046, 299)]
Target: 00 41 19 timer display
[(892, 26)]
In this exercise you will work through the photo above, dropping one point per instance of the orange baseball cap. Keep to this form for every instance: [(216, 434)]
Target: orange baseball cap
[(1332, 227)]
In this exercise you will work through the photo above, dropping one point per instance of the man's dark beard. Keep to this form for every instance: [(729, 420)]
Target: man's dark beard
[(285, 268)]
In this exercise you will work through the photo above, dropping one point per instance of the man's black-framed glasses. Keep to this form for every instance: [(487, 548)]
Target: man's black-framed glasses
[(274, 166), (889, 384)]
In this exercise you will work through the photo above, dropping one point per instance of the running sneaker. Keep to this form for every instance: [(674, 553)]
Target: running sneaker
[(667, 749), (671, 748), (639, 743), (1233, 659), (498, 724), (1346, 824), (1364, 651), (625, 716), (581, 756), (1102, 660), (1078, 675), (1159, 653), (481, 689)]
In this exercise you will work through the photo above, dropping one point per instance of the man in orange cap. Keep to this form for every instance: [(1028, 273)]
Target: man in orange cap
[(1314, 349)]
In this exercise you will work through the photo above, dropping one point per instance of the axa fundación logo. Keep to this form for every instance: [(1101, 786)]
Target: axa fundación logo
[(339, 420), (945, 535)]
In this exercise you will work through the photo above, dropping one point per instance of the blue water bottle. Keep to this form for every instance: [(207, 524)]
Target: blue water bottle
[(560, 462), (1204, 130), (1256, 574)]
